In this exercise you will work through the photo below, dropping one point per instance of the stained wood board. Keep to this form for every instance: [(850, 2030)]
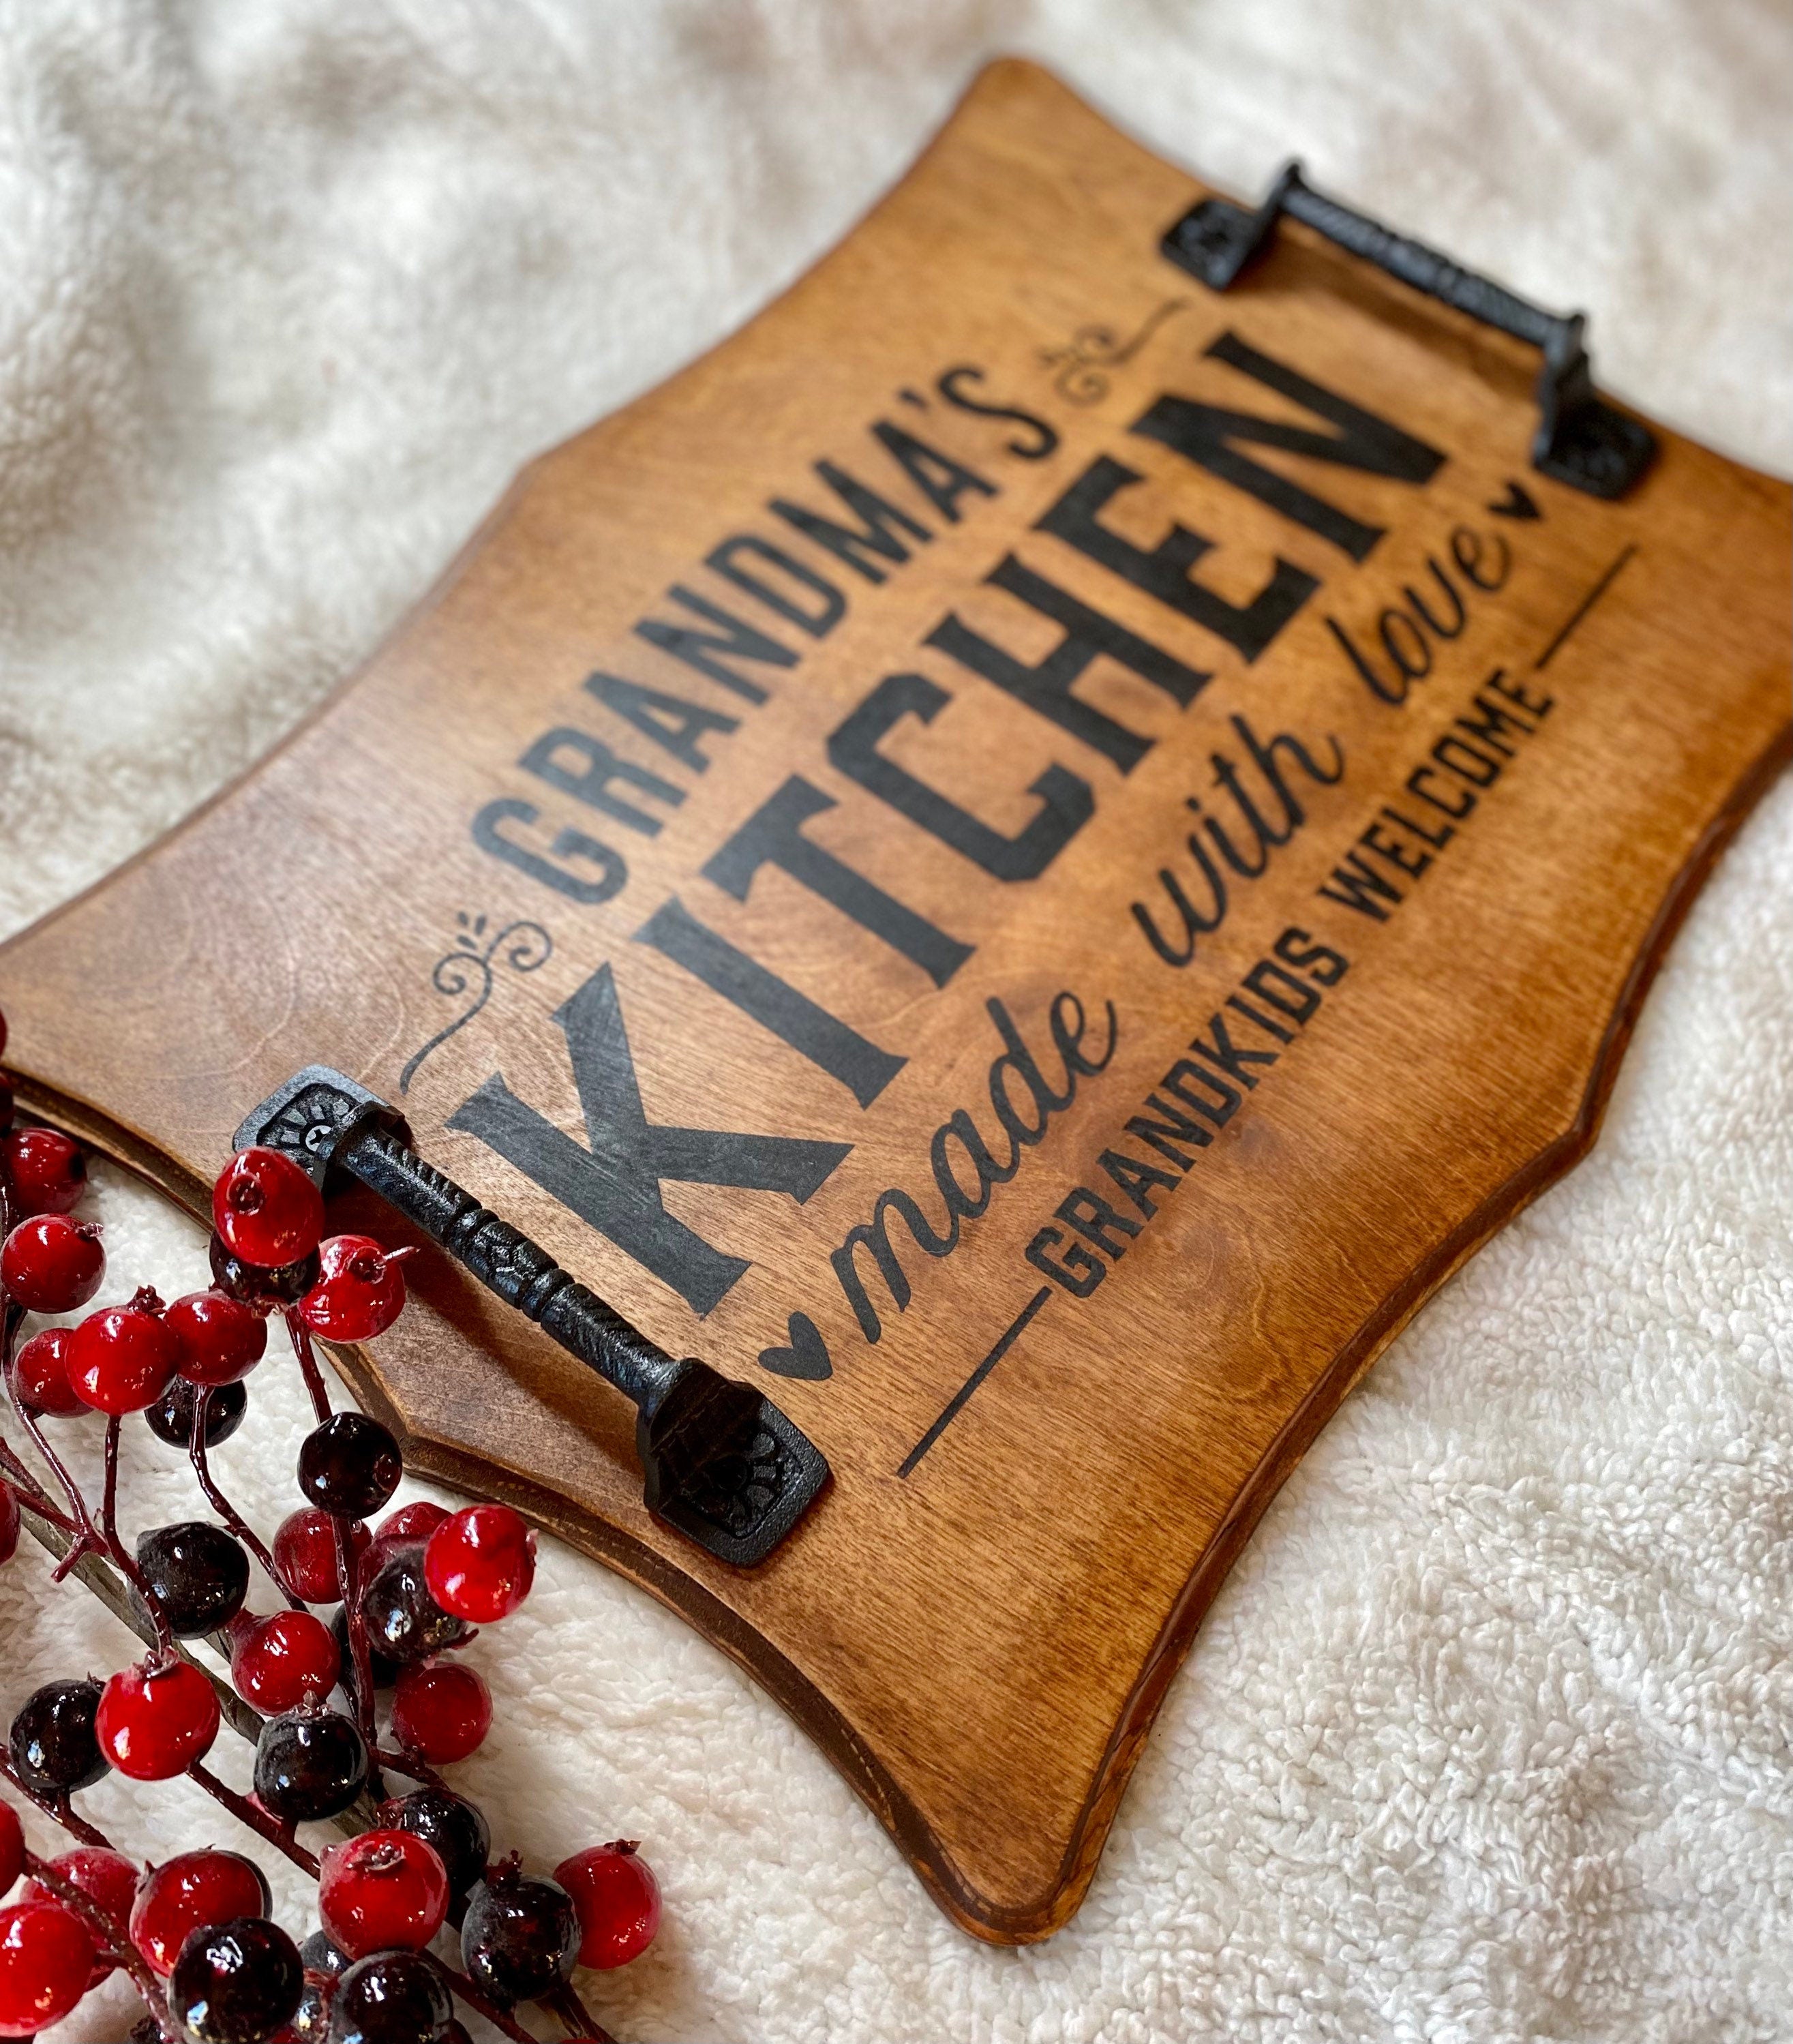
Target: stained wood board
[(1528, 721)]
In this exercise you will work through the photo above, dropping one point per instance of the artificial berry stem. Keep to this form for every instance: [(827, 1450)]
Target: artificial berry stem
[(30, 1493), (226, 1511), (278, 1835), (580, 2022), (500, 2019), (412, 1768), (165, 1647), (59, 1810), (105, 1934)]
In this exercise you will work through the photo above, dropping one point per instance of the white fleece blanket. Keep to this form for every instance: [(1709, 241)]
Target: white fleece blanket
[(1490, 1737)]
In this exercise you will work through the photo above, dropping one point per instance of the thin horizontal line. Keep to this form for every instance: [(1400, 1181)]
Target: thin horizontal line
[(1582, 608), (1004, 1342)]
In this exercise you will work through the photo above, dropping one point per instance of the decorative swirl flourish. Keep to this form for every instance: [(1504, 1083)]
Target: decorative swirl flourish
[(470, 966), (1090, 349)]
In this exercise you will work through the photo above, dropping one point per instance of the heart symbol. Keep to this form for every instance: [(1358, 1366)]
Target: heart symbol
[(807, 1356), (1518, 503)]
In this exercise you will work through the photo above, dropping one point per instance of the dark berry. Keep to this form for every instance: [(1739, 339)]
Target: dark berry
[(349, 1466), (481, 1562), (441, 1711), (220, 1338), (266, 1209), (46, 1962), (304, 1554), (236, 1982), (384, 1889), (53, 1742), (12, 1846), (8, 1107), (262, 1289), (121, 1358), (360, 1292), (49, 1172), (107, 1879), (384, 1672), (309, 1763), (391, 1998), (323, 1955), (153, 1722), (187, 1892), (279, 1663), (452, 1825), (170, 1417), (618, 1900), (41, 1371), (404, 1622), (197, 1572), (50, 1264), (311, 2019), (520, 1935)]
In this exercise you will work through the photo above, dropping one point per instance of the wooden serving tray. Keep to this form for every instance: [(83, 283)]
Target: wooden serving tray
[(1192, 878)]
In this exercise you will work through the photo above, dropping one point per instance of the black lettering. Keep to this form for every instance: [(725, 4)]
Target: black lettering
[(1193, 924), (614, 1185), (818, 619), (1225, 1103), (1042, 439), (773, 835), (1066, 802), (1452, 631), (613, 870), (1466, 550), (1017, 1059), (1389, 692), (1068, 1025), (1096, 1220), (875, 536), (1263, 1021), (705, 650), (1402, 857), (1360, 887), (1440, 837), (1164, 572), (960, 1128), (1492, 723), (1515, 692), (874, 1234), (1319, 962), (1452, 751), (810, 1030), (1172, 1127), (1226, 1056), (1419, 666), (1204, 434), (589, 781), (1046, 686), (940, 479), (1077, 1270), (673, 723), (1428, 774), (1136, 1178)]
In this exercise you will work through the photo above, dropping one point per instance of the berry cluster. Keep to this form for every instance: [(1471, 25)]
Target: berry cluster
[(195, 1933)]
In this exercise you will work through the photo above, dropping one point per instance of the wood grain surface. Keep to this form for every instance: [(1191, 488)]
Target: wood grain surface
[(1513, 726)]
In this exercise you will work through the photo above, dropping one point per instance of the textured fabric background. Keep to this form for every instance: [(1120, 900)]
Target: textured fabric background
[(1488, 1737)]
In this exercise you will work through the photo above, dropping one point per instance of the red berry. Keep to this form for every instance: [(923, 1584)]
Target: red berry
[(409, 1524), (220, 1339), (107, 1879), (40, 1370), (304, 1554), (618, 1900), (278, 1662), (479, 1564), (50, 1264), (9, 1527), (46, 1961), (441, 1711), (384, 1889), (49, 1172), (153, 1722), (11, 1842), (266, 1208), (360, 1292), (191, 1892), (120, 1358)]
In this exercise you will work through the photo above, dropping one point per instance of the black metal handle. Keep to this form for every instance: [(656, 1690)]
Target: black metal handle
[(719, 1460), (1581, 441)]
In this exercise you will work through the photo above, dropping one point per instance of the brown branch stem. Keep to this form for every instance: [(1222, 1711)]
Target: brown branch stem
[(107, 1935), (219, 1504), (256, 1817)]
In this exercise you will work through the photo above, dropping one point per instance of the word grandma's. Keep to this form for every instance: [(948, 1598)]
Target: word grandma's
[(1198, 1095), (645, 739)]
